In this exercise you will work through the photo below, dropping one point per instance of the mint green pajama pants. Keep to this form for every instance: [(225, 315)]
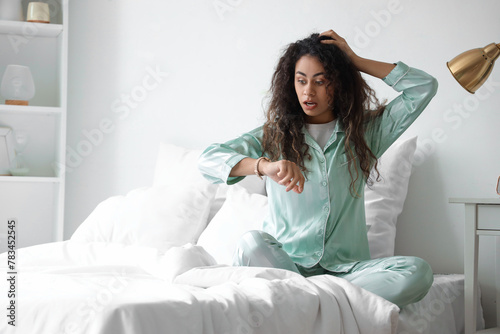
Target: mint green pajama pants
[(401, 280)]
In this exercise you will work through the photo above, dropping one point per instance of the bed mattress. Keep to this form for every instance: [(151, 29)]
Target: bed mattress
[(441, 311)]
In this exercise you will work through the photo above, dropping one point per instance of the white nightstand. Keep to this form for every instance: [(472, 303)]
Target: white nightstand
[(482, 217)]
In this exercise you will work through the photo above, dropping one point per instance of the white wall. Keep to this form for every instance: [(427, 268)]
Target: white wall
[(213, 61)]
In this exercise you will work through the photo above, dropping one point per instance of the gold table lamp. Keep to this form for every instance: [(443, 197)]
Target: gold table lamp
[(472, 68)]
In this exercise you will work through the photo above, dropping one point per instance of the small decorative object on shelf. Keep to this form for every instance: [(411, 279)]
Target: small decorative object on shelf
[(19, 166), (17, 85), (38, 12), (7, 153), (11, 10)]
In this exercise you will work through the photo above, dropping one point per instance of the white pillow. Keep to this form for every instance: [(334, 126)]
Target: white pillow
[(159, 217), (183, 163), (241, 212), (171, 213), (384, 201), (177, 165), (251, 183)]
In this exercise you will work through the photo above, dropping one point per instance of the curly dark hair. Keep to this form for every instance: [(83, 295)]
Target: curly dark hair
[(354, 104)]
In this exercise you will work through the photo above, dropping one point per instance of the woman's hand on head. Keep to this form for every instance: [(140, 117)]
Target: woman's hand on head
[(285, 173), (375, 68), (339, 42)]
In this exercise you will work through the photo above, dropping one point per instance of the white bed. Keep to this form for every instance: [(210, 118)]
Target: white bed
[(157, 261)]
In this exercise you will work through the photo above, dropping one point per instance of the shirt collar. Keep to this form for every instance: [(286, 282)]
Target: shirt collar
[(311, 142)]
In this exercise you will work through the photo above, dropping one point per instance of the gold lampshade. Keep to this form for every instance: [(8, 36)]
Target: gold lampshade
[(472, 68)]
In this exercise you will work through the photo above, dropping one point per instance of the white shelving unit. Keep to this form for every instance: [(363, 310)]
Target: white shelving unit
[(36, 200)]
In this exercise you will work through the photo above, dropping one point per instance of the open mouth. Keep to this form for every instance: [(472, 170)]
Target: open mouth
[(310, 105)]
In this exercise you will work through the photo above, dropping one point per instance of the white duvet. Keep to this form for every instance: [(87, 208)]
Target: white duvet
[(71, 287)]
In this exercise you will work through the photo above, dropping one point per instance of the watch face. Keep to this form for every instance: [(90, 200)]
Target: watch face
[(498, 186)]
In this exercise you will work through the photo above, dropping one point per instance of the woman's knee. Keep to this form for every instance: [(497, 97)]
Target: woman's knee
[(420, 280), (254, 239), (424, 273), (251, 245), (420, 269), (260, 249)]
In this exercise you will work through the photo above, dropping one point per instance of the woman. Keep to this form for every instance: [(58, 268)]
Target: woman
[(325, 130)]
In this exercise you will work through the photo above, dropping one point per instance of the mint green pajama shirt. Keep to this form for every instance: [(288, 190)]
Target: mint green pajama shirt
[(323, 229)]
